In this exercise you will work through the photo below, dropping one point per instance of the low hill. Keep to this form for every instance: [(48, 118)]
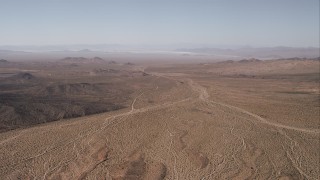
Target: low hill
[(24, 75)]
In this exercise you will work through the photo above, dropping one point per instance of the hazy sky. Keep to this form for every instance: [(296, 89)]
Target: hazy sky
[(225, 22)]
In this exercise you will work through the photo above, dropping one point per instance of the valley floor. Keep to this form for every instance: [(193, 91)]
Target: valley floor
[(201, 127)]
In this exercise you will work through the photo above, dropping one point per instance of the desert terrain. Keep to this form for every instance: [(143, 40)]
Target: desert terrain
[(90, 118)]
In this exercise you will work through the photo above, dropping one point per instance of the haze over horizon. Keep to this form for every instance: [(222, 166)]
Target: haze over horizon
[(262, 23)]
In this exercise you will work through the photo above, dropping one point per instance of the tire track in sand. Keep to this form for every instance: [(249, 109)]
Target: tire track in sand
[(204, 96)]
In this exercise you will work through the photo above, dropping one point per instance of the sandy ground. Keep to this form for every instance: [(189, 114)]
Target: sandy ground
[(198, 128)]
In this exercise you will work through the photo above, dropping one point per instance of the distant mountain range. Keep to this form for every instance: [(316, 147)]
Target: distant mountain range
[(261, 53), (11, 51), (82, 60), (40, 52)]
